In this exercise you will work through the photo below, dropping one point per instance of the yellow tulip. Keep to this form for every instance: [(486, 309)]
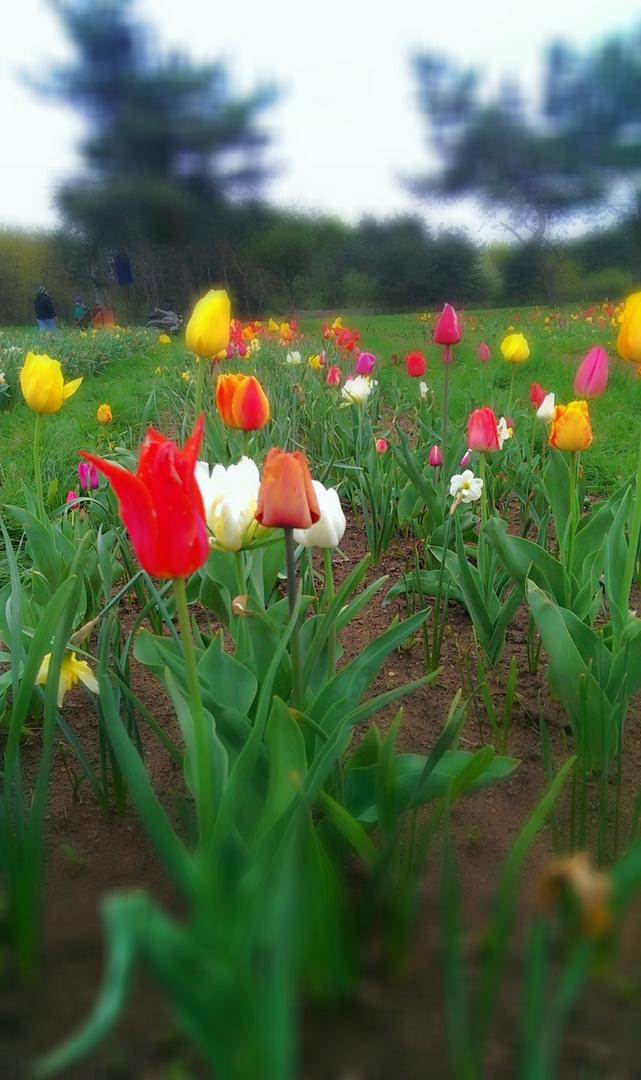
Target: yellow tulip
[(629, 339), (208, 329), (42, 384), (570, 428), (104, 416), (315, 362), (515, 348)]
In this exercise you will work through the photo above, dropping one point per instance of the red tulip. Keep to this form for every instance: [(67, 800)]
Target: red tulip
[(415, 362), (333, 376), (448, 328), (242, 402), (537, 395), (592, 376), (482, 434), (161, 504), (286, 497)]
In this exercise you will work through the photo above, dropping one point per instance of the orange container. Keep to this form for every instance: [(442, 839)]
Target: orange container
[(103, 319)]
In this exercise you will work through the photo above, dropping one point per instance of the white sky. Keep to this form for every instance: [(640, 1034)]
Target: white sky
[(345, 127)]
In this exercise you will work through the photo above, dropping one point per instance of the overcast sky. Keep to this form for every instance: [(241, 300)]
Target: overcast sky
[(345, 128)]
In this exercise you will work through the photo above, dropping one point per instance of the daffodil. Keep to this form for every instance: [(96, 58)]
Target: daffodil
[(465, 487), (503, 431), (71, 671)]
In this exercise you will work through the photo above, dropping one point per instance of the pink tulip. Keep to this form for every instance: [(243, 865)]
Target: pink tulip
[(435, 458), (537, 395), (72, 500), (381, 446), (484, 352), (448, 328), (465, 460), (87, 476), (333, 376), (482, 433), (592, 376), (364, 364)]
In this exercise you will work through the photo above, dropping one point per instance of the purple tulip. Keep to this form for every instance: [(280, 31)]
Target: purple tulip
[(364, 364), (592, 376)]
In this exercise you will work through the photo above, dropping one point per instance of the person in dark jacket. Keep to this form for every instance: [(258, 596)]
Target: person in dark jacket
[(45, 311)]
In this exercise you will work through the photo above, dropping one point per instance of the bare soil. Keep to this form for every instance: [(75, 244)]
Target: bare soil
[(394, 1029)]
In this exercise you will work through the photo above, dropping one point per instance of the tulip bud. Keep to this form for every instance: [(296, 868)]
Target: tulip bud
[(465, 460), (515, 348), (448, 328), (537, 395), (435, 458), (592, 376), (72, 500), (380, 446), (87, 476)]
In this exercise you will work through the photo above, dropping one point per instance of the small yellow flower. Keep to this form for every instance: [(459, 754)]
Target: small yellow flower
[(273, 327), (71, 670), (164, 339), (186, 375), (158, 371), (104, 415), (42, 384)]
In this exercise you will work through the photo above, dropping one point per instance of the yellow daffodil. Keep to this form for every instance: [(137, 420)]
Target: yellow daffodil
[(42, 384), (164, 339), (104, 415), (71, 670), (208, 329)]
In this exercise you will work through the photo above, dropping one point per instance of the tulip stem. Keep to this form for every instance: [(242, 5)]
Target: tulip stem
[(204, 797), (446, 386), (511, 394), (292, 590), (329, 596), (36, 466), (633, 545), (575, 513), (245, 444), (200, 382)]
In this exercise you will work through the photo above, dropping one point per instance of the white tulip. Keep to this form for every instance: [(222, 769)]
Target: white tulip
[(545, 410), (293, 358), (357, 389), (423, 390), (330, 527), (230, 497)]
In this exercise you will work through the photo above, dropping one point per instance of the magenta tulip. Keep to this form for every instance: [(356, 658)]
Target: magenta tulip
[(592, 376), (435, 458), (448, 328), (364, 364)]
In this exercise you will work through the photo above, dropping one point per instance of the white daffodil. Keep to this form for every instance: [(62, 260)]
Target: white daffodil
[(357, 389), (545, 410), (503, 431), (71, 670), (465, 487), (330, 527), (230, 497), (293, 358)]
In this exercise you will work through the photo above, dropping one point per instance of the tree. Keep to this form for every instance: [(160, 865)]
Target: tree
[(513, 160), (168, 148)]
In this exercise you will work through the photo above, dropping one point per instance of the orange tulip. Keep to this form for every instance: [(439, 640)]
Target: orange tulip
[(570, 428), (242, 402), (286, 497)]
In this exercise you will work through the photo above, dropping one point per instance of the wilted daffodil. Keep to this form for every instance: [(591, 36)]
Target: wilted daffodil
[(42, 384), (328, 531), (207, 331), (231, 498), (515, 348), (465, 487), (71, 670)]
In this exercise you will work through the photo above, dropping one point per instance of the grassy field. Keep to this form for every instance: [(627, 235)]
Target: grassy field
[(136, 376)]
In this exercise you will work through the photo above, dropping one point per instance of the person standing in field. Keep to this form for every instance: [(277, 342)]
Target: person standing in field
[(45, 311)]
